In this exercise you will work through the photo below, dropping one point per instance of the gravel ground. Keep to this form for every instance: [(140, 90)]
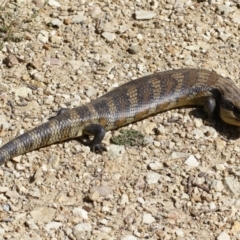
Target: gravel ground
[(183, 185)]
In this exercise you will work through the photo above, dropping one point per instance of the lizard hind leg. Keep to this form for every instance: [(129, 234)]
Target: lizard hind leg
[(98, 133)]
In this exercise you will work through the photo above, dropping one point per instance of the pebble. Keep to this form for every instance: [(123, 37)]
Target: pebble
[(192, 161), (223, 236), (83, 227), (148, 218), (54, 3), (103, 190), (220, 144), (53, 225), (144, 15), (134, 48), (233, 184), (236, 227), (115, 151), (128, 237), (110, 37), (176, 155), (217, 185), (43, 36), (80, 212), (11, 60), (79, 18), (56, 22), (124, 199), (43, 214), (179, 232), (152, 177), (156, 166), (236, 17)]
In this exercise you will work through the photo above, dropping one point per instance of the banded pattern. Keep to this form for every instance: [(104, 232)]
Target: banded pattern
[(134, 101)]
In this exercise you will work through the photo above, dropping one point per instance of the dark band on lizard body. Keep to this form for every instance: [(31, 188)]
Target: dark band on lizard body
[(131, 102)]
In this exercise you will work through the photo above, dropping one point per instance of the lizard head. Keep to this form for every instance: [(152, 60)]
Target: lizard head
[(230, 109)]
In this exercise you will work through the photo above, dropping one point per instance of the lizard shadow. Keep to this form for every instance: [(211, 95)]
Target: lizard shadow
[(228, 131)]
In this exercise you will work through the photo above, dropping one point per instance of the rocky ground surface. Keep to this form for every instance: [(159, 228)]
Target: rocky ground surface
[(183, 185)]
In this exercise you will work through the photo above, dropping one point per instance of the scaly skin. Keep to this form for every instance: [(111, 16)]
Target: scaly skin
[(131, 102)]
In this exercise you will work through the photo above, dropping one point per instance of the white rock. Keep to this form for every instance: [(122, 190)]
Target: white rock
[(148, 218), (115, 151), (236, 17), (124, 199), (156, 166), (53, 225), (142, 14), (80, 212), (198, 133), (192, 161), (54, 3), (217, 185), (83, 227), (152, 177), (79, 18), (128, 237), (109, 36), (43, 214), (43, 36), (23, 92), (223, 236), (179, 232), (56, 22), (212, 206), (233, 184), (31, 224), (176, 155)]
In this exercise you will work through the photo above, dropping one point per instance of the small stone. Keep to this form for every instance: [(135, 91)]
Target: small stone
[(43, 36), (31, 224), (236, 17), (115, 151), (144, 15), (192, 161), (152, 177), (110, 37), (220, 144), (236, 227), (134, 48), (217, 185), (176, 155), (56, 22), (83, 227), (233, 184), (223, 236), (124, 199), (225, 36), (53, 225), (79, 18), (148, 218), (103, 190), (53, 3), (80, 212), (156, 166), (128, 237), (198, 133), (10, 60), (212, 206), (179, 232), (43, 214), (225, 9), (56, 39), (35, 192)]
